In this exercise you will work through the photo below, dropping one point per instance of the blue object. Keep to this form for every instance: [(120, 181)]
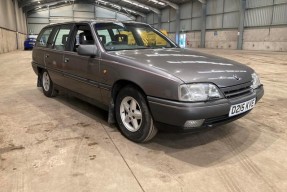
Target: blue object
[(29, 43)]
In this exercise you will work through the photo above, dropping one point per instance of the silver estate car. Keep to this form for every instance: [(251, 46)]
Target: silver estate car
[(142, 78)]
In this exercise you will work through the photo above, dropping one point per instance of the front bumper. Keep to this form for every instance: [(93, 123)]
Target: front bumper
[(173, 113)]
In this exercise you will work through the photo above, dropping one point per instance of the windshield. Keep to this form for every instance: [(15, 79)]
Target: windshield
[(130, 36)]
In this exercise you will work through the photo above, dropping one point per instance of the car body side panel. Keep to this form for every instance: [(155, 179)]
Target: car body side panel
[(154, 83), (38, 56), (53, 63), (82, 73)]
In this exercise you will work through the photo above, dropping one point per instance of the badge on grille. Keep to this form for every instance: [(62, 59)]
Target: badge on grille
[(236, 77)]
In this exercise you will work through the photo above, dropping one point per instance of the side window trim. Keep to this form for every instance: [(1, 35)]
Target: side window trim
[(74, 33), (50, 43), (57, 30), (38, 40)]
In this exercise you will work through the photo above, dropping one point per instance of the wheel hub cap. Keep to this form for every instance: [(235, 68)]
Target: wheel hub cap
[(46, 81), (131, 114)]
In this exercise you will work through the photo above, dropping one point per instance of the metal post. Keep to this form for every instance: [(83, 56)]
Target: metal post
[(49, 14), (95, 16), (144, 19), (16, 23), (159, 21), (203, 25), (241, 24), (73, 12), (177, 26)]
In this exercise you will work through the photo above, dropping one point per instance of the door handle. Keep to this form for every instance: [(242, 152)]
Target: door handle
[(47, 55), (66, 60)]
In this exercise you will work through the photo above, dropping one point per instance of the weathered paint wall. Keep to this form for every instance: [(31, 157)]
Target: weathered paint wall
[(8, 41), (171, 36), (273, 39), (193, 39), (13, 26), (226, 39), (21, 39)]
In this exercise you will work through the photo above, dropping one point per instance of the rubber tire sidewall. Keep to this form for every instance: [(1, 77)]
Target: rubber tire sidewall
[(51, 92), (145, 132)]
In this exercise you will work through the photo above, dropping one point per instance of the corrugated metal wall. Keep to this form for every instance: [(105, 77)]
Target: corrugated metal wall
[(223, 14), (77, 12), (265, 13), (190, 17)]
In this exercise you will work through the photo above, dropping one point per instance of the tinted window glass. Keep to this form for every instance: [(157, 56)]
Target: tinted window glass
[(62, 39), (43, 38)]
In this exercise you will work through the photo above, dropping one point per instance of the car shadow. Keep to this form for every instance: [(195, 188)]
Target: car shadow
[(203, 149), (207, 148)]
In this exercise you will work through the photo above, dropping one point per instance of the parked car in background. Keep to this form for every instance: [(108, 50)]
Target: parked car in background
[(30, 41), (142, 78)]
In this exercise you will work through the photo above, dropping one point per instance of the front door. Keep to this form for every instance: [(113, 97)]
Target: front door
[(82, 72)]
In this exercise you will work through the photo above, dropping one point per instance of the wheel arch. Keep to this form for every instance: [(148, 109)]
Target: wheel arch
[(117, 86)]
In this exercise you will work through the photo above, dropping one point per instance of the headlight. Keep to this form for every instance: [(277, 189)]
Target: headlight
[(199, 92), (255, 81)]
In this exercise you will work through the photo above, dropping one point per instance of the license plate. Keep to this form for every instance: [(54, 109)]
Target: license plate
[(31, 43), (241, 107)]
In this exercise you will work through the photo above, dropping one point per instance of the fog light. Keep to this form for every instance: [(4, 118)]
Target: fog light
[(193, 123)]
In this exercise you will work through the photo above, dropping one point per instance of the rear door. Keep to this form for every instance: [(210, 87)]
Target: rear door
[(41, 46), (54, 56), (82, 72)]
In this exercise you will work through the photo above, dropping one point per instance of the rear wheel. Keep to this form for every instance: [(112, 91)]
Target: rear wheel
[(47, 85), (133, 116)]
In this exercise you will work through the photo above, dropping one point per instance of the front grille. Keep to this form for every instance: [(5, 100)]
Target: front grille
[(238, 90)]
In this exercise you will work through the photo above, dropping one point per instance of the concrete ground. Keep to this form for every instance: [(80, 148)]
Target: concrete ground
[(64, 144)]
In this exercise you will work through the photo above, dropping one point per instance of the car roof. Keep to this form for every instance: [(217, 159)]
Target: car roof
[(94, 22)]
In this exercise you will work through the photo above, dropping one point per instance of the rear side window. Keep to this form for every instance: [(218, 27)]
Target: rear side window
[(43, 38), (62, 38)]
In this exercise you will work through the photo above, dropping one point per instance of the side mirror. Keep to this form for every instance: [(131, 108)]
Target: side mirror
[(88, 50)]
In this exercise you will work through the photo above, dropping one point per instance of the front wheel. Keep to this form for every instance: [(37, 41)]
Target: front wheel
[(47, 85), (133, 116)]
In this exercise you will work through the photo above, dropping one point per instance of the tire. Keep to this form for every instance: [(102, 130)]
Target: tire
[(47, 85), (133, 115)]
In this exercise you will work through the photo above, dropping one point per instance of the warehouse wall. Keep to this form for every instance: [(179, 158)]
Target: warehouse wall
[(274, 39), (76, 12), (13, 27), (222, 39), (265, 24)]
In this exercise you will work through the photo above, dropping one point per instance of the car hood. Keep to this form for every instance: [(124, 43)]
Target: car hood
[(191, 66)]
